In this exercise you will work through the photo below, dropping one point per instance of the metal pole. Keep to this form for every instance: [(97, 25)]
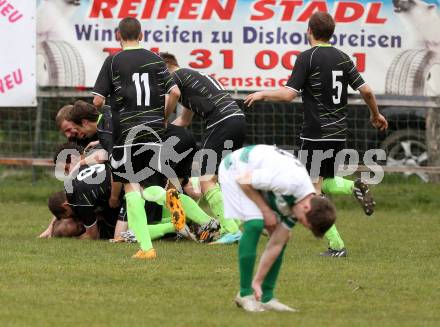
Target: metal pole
[(37, 136)]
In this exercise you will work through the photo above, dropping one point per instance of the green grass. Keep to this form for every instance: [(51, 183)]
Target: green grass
[(391, 277)]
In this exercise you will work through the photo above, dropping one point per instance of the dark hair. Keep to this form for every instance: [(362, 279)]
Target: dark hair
[(67, 146), (129, 28), (321, 216), (322, 26), (62, 114), (55, 203), (82, 110), (169, 58)]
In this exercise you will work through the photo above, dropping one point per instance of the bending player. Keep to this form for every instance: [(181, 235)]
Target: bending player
[(138, 80), (268, 187), (225, 130), (323, 73)]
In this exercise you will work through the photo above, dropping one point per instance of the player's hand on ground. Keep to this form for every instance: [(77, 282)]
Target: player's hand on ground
[(270, 220), (46, 234), (258, 292), (114, 202), (379, 122), (251, 98)]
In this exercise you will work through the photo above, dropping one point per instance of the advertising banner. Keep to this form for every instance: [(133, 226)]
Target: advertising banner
[(17, 55), (245, 45)]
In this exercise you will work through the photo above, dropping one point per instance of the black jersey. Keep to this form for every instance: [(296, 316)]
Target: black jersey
[(105, 129), (205, 96), (138, 80), (323, 73), (89, 192)]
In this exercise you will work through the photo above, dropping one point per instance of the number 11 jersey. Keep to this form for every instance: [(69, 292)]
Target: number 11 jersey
[(137, 80), (323, 74)]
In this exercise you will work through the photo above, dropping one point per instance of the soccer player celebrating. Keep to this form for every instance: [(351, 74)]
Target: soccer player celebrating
[(268, 187), (323, 73), (225, 129), (138, 80)]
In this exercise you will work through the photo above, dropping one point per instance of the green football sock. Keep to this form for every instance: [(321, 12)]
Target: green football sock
[(155, 194), (215, 200), (160, 230), (334, 239), (193, 211), (271, 279), (247, 254), (337, 186), (137, 219)]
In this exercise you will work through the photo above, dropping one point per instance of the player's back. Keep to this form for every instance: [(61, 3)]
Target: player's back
[(324, 74), (205, 96), (140, 81)]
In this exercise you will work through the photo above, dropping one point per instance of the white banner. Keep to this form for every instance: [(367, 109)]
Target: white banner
[(246, 45), (18, 53)]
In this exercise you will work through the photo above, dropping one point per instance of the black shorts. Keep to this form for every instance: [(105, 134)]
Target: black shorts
[(128, 166), (310, 156), (152, 210), (107, 219), (221, 139), (181, 166)]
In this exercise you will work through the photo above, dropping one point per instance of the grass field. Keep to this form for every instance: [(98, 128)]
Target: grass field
[(391, 277)]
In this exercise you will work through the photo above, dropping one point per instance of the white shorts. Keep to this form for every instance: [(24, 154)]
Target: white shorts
[(236, 203)]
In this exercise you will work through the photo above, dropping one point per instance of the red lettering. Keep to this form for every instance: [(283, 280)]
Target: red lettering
[(224, 13), (15, 16), (289, 8), (148, 9), (223, 81), (8, 82), (258, 81), (111, 51), (311, 8), (342, 15), (188, 8), (103, 7), (203, 57), (2, 89), (282, 82), (373, 14), (266, 13), (127, 8), (286, 60), (228, 59), (6, 9), (260, 59), (360, 61), (18, 77), (166, 7)]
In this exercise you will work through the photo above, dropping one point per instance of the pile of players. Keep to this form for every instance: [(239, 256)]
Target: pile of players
[(141, 172)]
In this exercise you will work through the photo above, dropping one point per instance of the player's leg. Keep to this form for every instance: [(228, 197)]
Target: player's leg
[(223, 138), (137, 220), (269, 267), (320, 170)]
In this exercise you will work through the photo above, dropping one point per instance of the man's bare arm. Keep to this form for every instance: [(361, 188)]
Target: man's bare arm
[(98, 102), (49, 230), (377, 120), (184, 119), (283, 94), (276, 243), (91, 233), (171, 101)]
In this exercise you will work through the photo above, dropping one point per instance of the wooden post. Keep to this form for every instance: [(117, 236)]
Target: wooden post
[(433, 139)]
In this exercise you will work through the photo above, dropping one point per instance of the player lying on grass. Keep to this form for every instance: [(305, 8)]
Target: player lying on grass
[(268, 188), (86, 119), (225, 130), (102, 201), (323, 74)]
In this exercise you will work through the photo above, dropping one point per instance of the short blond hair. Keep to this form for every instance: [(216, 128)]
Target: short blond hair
[(62, 114)]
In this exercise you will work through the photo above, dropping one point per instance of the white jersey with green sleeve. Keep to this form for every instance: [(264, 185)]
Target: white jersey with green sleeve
[(279, 175)]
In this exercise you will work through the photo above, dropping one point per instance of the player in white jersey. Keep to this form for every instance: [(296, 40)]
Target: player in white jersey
[(267, 187)]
